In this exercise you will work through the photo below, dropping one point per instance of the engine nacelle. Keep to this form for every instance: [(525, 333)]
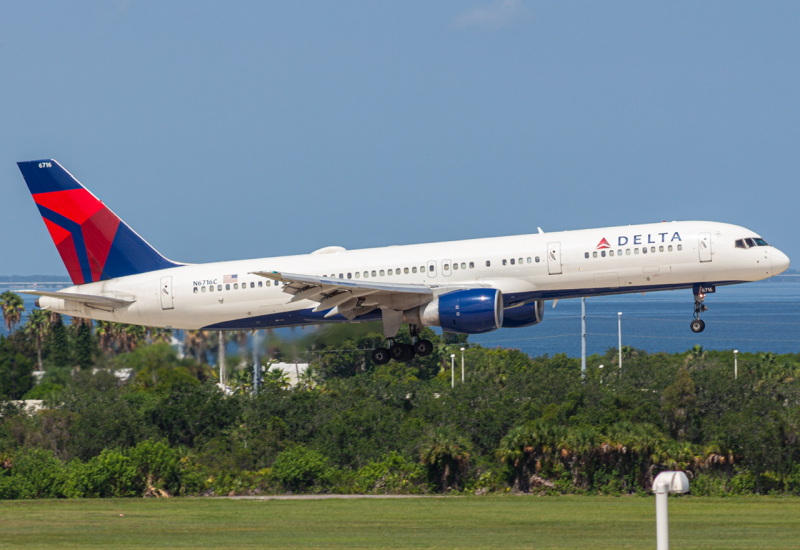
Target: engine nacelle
[(471, 311), (524, 316)]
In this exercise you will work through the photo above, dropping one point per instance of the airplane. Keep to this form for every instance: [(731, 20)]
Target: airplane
[(469, 286)]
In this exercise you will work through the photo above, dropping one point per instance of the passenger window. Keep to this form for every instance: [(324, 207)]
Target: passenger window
[(603, 253), (195, 290), (610, 252), (635, 250), (472, 265), (488, 263), (210, 288), (585, 254), (259, 284), (644, 250), (219, 287), (422, 269), (391, 272), (594, 254), (680, 247), (235, 286), (505, 262), (537, 259), (519, 261), (669, 248), (202, 289), (383, 272), (455, 266), (374, 274), (627, 251), (446, 267), (414, 269), (405, 270), (661, 248), (349, 275), (653, 249)]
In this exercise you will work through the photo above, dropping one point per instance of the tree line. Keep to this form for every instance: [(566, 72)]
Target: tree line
[(521, 423)]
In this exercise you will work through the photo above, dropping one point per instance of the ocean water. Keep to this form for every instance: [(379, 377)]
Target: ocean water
[(752, 317)]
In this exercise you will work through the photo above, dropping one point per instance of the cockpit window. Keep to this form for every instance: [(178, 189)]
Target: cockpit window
[(750, 241)]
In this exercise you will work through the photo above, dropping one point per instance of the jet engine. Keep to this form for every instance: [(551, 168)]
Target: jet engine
[(471, 311), (524, 316)]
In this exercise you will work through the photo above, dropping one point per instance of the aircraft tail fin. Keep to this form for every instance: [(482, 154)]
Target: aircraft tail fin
[(94, 243)]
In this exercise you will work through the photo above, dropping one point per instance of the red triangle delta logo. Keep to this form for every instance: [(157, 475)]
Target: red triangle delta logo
[(603, 244)]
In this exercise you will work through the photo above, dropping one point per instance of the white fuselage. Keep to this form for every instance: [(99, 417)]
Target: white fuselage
[(524, 268)]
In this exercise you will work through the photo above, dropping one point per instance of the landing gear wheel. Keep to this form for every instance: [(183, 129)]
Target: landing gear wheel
[(401, 352), (698, 325), (380, 356), (423, 348)]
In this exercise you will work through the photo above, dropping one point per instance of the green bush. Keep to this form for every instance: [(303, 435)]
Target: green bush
[(300, 468), (36, 473), (391, 474)]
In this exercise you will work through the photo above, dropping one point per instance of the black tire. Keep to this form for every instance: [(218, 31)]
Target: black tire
[(409, 352), (423, 348), (698, 325), (397, 351), (380, 356)]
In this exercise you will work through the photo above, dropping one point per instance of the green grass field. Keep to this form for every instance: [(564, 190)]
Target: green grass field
[(449, 522)]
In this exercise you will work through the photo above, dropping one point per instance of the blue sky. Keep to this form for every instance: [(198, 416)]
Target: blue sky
[(249, 129)]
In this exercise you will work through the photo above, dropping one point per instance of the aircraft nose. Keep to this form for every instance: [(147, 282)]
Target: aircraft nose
[(780, 261)]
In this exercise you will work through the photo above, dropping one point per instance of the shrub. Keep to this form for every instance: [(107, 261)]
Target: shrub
[(300, 468)]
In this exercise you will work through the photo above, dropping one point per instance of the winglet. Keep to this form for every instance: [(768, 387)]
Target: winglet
[(94, 243)]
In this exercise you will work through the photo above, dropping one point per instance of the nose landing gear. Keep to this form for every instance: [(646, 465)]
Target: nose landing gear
[(700, 291)]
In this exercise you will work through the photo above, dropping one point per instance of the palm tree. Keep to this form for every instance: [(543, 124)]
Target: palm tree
[(38, 327), (446, 457), (13, 306)]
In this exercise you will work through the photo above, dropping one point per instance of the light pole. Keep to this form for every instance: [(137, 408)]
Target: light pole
[(619, 337), (462, 365), (452, 370), (583, 338), (735, 364)]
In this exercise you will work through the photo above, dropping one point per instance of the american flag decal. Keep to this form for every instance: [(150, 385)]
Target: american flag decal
[(230, 278)]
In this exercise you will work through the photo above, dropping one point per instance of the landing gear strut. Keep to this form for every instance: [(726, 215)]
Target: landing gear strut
[(697, 324)]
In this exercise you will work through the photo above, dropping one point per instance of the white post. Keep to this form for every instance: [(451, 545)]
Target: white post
[(665, 483), (662, 521), (735, 364), (619, 335), (583, 338), (221, 358), (452, 370), (462, 365)]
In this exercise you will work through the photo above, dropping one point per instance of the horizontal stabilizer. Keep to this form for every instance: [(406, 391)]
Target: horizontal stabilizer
[(101, 302)]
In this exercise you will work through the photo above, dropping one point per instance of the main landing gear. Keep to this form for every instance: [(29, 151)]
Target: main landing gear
[(697, 324), (400, 351)]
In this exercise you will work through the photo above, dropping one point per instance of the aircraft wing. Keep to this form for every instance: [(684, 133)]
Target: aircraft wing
[(91, 300), (352, 298)]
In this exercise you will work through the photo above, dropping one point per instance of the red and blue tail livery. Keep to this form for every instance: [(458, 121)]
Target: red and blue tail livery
[(94, 243)]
